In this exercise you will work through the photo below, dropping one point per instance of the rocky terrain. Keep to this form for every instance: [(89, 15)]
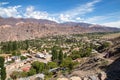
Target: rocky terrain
[(99, 67), (113, 70), (22, 29)]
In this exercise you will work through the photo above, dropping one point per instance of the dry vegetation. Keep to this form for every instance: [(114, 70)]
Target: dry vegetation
[(111, 36)]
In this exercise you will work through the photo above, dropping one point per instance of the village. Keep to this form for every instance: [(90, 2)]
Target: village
[(15, 63), (69, 45)]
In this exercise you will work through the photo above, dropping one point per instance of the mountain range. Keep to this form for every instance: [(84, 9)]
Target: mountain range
[(21, 29)]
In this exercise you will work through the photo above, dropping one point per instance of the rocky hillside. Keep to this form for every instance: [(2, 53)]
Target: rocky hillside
[(113, 70), (114, 51), (98, 67), (21, 29)]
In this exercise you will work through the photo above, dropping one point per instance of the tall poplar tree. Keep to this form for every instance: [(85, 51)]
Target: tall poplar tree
[(2, 69)]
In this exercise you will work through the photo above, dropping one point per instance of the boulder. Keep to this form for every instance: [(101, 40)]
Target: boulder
[(62, 79), (94, 77), (86, 78), (75, 78), (102, 76)]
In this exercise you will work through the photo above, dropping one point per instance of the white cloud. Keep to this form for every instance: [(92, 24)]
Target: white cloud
[(64, 17), (10, 11), (95, 19), (71, 15), (3, 3), (113, 24), (32, 13), (82, 9), (111, 20)]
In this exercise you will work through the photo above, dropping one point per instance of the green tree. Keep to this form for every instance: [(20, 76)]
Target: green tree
[(65, 55), (85, 52), (14, 45), (75, 55), (15, 75), (51, 65), (24, 74), (66, 62), (88, 52), (23, 57), (70, 66), (2, 69), (60, 56), (32, 72), (27, 44), (3, 73), (54, 54), (41, 67), (2, 62), (16, 53), (38, 66)]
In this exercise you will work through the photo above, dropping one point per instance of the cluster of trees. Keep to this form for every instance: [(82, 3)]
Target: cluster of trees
[(13, 46), (62, 60), (2, 69), (40, 67), (68, 63), (36, 67), (9, 46), (17, 74), (16, 46), (57, 54), (83, 52), (23, 57), (72, 40), (92, 35)]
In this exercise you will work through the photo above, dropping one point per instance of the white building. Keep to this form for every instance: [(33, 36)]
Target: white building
[(40, 55)]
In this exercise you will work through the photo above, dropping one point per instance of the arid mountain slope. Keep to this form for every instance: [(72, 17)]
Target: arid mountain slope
[(21, 29)]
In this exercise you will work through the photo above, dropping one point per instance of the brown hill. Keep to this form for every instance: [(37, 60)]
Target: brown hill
[(21, 29)]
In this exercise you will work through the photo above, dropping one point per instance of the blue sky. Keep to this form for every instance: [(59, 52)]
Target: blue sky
[(104, 12)]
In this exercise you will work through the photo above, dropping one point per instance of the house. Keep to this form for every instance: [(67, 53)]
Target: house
[(40, 55), (26, 69), (27, 55), (48, 57), (7, 57), (16, 58)]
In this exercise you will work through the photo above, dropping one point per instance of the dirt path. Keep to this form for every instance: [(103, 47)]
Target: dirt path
[(101, 55)]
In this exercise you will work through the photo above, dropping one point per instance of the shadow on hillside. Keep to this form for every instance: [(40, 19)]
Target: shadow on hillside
[(113, 70)]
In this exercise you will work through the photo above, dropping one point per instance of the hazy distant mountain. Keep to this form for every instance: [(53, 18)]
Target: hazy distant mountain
[(76, 24), (21, 29)]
